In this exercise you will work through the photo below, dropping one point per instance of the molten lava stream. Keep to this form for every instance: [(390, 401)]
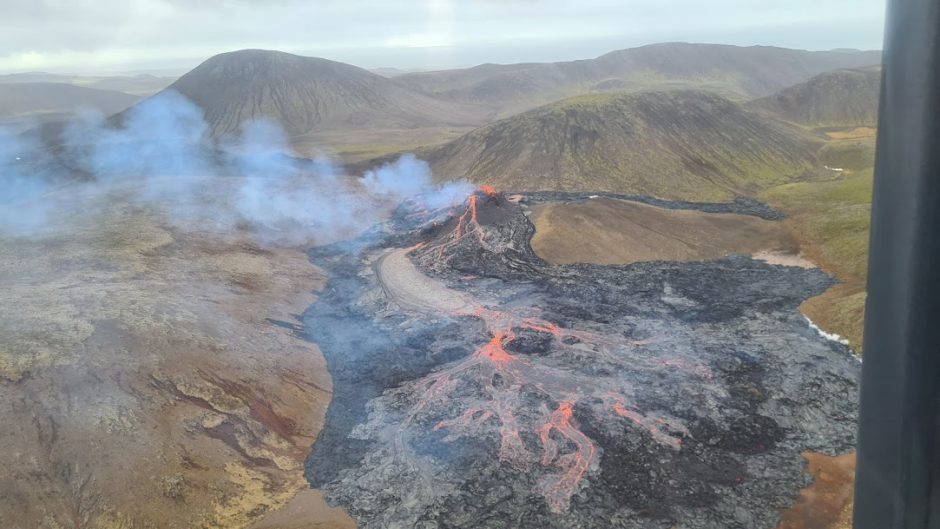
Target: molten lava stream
[(558, 495), (489, 191), (467, 224), (489, 360), (654, 425), (563, 387), (502, 375)]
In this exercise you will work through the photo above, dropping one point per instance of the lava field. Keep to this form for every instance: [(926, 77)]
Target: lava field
[(476, 386)]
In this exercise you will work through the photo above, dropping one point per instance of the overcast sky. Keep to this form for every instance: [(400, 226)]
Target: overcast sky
[(138, 35)]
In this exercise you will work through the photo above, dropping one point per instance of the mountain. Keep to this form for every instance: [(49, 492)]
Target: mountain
[(35, 77), (43, 100), (680, 144), (842, 98), (306, 94), (738, 72)]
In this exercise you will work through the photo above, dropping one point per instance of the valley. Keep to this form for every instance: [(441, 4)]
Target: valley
[(593, 309)]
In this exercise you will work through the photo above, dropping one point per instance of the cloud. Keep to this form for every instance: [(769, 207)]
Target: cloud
[(140, 34)]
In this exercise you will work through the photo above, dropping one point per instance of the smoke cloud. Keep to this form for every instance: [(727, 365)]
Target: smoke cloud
[(160, 154), (20, 190)]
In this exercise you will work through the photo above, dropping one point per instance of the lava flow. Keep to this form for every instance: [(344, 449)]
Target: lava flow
[(475, 385), (467, 224), (504, 377)]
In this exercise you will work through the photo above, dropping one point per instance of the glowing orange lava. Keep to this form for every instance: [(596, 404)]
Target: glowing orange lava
[(467, 224), (501, 375), (655, 425), (573, 465), (495, 352)]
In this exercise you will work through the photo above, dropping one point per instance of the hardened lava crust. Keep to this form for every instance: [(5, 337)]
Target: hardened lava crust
[(476, 386)]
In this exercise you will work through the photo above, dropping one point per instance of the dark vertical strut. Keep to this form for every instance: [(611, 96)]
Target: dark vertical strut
[(898, 476)]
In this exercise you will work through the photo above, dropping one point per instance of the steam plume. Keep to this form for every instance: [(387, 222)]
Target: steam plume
[(160, 154)]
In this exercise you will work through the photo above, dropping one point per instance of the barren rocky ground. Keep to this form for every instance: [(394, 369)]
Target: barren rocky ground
[(610, 231), (154, 378)]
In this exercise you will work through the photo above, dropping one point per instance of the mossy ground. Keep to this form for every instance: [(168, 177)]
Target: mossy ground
[(831, 220)]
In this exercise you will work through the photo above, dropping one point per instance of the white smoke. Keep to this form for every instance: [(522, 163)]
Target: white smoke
[(161, 154), (21, 189)]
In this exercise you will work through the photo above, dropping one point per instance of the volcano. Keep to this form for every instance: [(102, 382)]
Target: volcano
[(475, 385)]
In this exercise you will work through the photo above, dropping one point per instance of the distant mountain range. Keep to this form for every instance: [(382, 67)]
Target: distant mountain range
[(682, 144), (47, 101), (734, 71), (841, 98), (689, 121), (140, 85), (310, 95), (39, 97)]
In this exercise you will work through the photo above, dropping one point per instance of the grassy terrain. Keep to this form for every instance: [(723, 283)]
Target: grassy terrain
[(352, 147), (841, 98), (682, 144), (850, 155), (831, 219)]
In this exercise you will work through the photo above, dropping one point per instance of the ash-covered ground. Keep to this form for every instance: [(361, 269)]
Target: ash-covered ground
[(476, 386)]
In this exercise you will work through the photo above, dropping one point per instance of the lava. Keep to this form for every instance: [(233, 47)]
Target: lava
[(574, 465), (467, 224), (476, 385), (494, 351), (662, 430), (502, 376)]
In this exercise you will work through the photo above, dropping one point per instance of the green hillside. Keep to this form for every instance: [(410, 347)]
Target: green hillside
[(843, 98), (831, 220), (680, 144)]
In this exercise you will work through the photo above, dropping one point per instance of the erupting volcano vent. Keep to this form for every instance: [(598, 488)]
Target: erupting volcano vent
[(477, 386), (468, 224)]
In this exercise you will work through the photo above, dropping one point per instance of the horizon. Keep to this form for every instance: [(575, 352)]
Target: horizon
[(180, 71), (107, 37)]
